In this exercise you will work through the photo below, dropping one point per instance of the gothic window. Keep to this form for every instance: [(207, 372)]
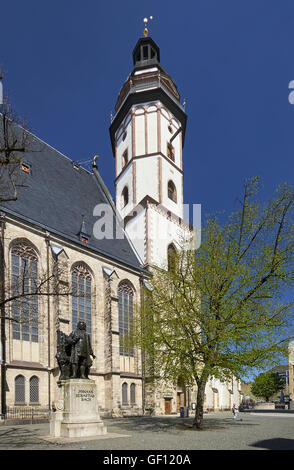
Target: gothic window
[(170, 151), (125, 315), (171, 191), (19, 390), (171, 257), (124, 393), (133, 394), (125, 158), (34, 389), (24, 281), (82, 296), (125, 196)]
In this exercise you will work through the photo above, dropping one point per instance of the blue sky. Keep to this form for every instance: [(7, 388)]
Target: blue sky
[(232, 61)]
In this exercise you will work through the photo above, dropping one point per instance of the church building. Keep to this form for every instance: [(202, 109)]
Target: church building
[(52, 228)]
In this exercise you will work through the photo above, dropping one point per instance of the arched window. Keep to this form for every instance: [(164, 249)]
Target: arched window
[(19, 391), (124, 393), (125, 158), (82, 296), (170, 151), (34, 389), (125, 315), (171, 191), (171, 257), (133, 394), (125, 196), (24, 281)]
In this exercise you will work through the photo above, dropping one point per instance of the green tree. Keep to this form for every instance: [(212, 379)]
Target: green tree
[(266, 385), (221, 310)]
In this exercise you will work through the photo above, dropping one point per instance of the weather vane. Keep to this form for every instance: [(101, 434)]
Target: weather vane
[(145, 22)]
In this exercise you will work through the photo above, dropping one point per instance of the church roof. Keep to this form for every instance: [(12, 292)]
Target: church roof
[(60, 196)]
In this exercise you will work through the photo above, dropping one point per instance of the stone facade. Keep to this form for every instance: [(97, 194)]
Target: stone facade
[(37, 359)]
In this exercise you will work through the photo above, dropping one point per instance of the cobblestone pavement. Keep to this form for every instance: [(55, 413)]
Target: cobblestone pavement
[(251, 431)]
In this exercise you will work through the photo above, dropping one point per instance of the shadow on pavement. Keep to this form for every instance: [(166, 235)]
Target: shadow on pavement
[(282, 412), (170, 424), (20, 437), (275, 444)]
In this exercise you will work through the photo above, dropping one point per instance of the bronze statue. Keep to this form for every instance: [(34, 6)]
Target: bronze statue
[(63, 355), (74, 353)]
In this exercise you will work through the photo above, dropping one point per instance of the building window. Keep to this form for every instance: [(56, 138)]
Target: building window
[(124, 136), (171, 191), (171, 258), (125, 197), (82, 296), (125, 158), (124, 393), (133, 394), (34, 390), (145, 52), (170, 151), (24, 282), (19, 390), (26, 168), (125, 315)]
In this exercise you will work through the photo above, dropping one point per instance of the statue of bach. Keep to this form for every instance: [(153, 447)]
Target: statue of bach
[(74, 353), (81, 352)]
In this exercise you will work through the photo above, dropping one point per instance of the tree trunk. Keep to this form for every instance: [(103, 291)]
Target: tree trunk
[(2, 326), (198, 420)]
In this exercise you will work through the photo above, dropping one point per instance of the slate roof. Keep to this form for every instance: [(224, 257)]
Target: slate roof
[(56, 196)]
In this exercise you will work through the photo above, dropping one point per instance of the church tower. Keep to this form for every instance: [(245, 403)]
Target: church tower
[(147, 136)]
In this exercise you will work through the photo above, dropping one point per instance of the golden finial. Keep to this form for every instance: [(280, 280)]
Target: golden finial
[(145, 22)]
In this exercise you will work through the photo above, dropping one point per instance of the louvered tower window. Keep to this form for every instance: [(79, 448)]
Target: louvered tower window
[(171, 258), (125, 197), (171, 191)]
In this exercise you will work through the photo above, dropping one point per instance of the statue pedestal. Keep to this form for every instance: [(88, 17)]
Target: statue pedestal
[(76, 412)]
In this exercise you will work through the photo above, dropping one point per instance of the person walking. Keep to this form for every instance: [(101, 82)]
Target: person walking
[(235, 411)]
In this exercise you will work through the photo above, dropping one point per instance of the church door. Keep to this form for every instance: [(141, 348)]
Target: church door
[(167, 406)]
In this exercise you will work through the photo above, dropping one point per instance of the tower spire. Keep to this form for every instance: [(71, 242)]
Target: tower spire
[(145, 32)]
